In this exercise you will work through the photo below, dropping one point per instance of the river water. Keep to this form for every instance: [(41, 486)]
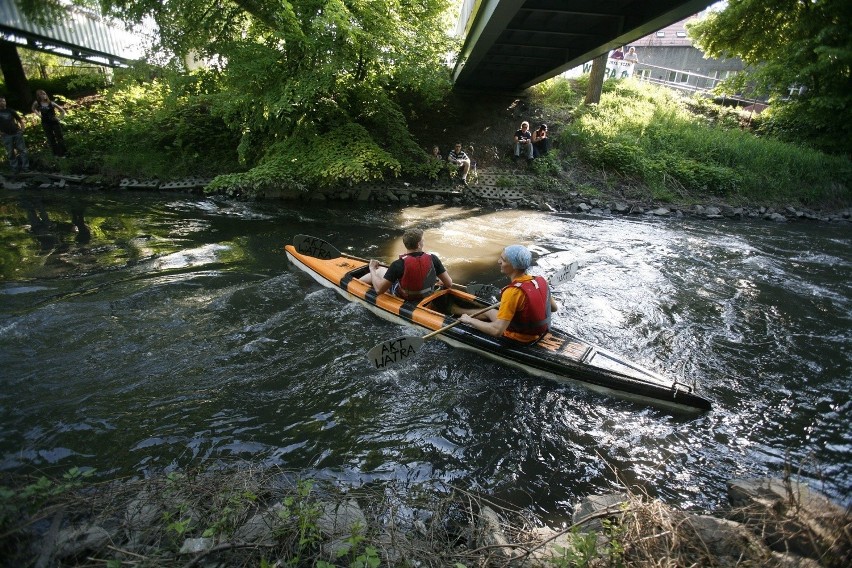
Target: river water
[(146, 333)]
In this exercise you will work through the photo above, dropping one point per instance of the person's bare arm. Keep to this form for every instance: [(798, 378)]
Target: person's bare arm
[(445, 279), (495, 327)]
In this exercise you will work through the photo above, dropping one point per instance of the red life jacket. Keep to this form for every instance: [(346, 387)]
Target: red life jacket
[(534, 318), (418, 277)]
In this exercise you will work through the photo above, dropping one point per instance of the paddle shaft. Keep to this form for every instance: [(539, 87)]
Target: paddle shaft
[(458, 321)]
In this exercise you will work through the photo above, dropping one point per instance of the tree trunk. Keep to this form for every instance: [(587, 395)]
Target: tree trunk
[(20, 97), (596, 78)]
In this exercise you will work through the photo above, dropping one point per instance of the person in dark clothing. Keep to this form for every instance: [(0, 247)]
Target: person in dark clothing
[(12, 131), (523, 142), (541, 143), (413, 275), (46, 109)]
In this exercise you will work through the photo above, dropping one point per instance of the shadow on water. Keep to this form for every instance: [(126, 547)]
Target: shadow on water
[(145, 333)]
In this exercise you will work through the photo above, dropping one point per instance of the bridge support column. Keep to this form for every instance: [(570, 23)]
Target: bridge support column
[(20, 97), (596, 78)]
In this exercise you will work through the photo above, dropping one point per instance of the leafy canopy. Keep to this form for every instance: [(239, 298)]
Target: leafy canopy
[(289, 77), (790, 44)]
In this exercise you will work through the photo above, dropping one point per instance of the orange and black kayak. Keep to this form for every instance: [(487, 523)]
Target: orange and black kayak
[(558, 355)]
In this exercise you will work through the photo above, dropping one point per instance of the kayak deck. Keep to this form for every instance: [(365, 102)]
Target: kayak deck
[(559, 355)]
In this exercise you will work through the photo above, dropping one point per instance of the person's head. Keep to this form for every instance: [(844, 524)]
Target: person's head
[(458, 146), (435, 150), (41, 95), (525, 125), (2, 102), (632, 50), (542, 128), (412, 238), (515, 257)]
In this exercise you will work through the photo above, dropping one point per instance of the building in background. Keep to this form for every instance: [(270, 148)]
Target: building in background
[(667, 56)]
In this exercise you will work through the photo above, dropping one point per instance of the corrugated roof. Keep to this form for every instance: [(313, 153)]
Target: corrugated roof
[(80, 31)]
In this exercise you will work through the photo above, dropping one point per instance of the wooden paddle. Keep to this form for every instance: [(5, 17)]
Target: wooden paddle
[(401, 348)]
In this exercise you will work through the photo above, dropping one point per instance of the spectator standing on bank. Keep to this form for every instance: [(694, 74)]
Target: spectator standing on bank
[(523, 141), (631, 56), (46, 109), (617, 54), (12, 131)]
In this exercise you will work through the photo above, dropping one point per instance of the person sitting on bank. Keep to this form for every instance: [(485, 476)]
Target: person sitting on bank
[(541, 143), (12, 132), (412, 276), (458, 158), (46, 109), (525, 304), (523, 142)]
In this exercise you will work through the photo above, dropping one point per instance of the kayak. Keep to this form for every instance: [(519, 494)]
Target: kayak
[(558, 355)]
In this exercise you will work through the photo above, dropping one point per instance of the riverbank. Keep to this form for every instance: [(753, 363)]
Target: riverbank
[(489, 187), (243, 515)]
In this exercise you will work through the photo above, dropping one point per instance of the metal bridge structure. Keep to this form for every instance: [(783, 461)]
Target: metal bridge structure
[(514, 44), (82, 35)]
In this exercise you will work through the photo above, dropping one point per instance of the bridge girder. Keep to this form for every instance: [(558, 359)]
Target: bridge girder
[(514, 44)]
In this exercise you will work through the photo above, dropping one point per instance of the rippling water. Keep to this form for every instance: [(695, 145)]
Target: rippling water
[(144, 333)]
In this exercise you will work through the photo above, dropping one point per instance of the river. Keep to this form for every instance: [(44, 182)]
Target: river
[(146, 333)]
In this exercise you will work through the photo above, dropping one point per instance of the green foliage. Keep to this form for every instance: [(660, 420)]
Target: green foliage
[(580, 555), (646, 133), (790, 44), (557, 93), (16, 504)]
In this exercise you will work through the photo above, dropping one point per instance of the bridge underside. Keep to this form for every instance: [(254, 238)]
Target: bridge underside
[(514, 44)]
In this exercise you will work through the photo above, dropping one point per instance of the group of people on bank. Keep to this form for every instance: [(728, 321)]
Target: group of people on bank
[(12, 130), (526, 303), (529, 145)]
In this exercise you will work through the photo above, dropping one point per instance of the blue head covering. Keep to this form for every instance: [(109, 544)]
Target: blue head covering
[(518, 256)]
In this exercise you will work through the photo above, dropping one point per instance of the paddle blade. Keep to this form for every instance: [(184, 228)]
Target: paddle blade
[(483, 290), (394, 351), (564, 275), (317, 248)]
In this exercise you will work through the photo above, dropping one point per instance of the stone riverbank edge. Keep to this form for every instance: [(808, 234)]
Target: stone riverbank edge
[(490, 189), (198, 521)]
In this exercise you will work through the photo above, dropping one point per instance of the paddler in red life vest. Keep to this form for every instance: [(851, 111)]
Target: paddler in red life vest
[(525, 304), (413, 275)]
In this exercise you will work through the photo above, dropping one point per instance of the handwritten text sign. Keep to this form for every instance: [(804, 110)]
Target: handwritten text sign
[(394, 351), (317, 248)]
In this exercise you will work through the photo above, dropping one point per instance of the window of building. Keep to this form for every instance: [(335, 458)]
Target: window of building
[(681, 34), (644, 74), (672, 76), (661, 34), (684, 77)]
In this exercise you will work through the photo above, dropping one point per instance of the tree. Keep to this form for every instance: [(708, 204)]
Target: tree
[(596, 79), (317, 90), (800, 53)]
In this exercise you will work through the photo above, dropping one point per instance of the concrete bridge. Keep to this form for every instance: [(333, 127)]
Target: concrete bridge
[(514, 44)]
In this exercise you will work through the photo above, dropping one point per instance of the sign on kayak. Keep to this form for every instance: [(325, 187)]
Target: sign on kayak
[(394, 351), (317, 248)]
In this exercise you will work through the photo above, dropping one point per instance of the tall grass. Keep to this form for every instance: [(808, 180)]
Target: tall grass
[(648, 133)]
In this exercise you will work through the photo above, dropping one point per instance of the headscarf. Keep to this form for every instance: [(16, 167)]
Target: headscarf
[(518, 256)]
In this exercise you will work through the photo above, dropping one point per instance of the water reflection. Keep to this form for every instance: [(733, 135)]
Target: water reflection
[(177, 336)]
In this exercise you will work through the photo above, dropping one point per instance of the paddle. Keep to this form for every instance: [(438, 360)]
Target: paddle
[(401, 348), (490, 291), (312, 246)]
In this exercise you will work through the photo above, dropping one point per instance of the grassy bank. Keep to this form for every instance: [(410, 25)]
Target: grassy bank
[(640, 142)]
